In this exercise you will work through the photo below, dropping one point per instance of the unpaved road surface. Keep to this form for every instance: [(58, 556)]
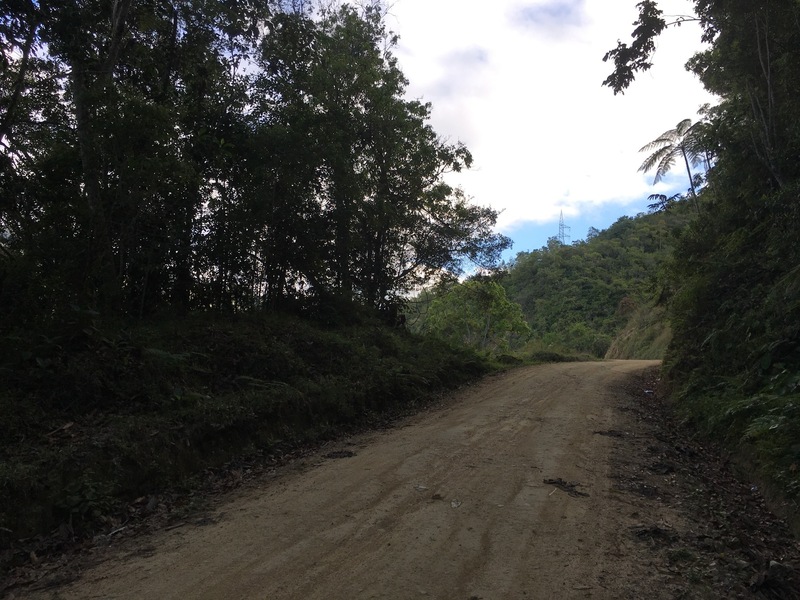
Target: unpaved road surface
[(452, 504)]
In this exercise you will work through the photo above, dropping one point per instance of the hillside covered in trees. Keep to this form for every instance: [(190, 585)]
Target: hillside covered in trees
[(584, 299), (578, 297)]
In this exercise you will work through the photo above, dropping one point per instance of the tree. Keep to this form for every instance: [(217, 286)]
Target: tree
[(680, 142), (636, 57), (733, 282), (200, 154), (749, 63), (385, 219), (478, 314), (134, 98)]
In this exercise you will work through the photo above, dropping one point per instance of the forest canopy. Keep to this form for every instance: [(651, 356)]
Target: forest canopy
[(209, 155)]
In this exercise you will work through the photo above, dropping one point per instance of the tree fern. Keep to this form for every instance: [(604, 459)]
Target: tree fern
[(682, 141)]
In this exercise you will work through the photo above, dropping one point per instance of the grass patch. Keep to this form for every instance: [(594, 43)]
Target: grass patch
[(536, 352), (646, 336)]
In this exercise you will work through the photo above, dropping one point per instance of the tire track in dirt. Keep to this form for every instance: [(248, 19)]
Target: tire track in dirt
[(450, 505)]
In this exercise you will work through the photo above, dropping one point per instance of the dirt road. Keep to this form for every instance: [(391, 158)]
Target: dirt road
[(507, 491), (452, 504)]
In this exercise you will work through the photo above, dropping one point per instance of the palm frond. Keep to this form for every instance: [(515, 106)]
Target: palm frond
[(684, 127), (686, 138), (665, 165), (665, 139), (655, 158)]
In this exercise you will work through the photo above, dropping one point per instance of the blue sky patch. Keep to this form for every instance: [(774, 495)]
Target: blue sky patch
[(468, 57), (552, 15)]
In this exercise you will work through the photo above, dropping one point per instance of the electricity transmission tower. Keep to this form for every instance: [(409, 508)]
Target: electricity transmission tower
[(563, 231)]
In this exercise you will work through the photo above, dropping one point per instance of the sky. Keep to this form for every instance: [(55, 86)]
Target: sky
[(519, 82)]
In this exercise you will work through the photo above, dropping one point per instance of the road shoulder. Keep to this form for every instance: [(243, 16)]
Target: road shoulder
[(698, 531)]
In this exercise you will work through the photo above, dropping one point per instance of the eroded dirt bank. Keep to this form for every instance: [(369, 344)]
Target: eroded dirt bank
[(532, 484)]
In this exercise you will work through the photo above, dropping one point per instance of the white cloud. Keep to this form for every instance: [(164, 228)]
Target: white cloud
[(519, 82)]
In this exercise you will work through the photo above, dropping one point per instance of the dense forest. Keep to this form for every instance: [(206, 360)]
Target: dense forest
[(217, 156), (734, 280), (573, 299), (578, 297)]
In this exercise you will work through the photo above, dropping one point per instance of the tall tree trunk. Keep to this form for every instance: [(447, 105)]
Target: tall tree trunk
[(691, 181), (342, 242), (100, 284), (182, 288)]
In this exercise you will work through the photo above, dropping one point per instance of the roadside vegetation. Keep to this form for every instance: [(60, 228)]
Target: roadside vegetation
[(580, 297), (733, 286), (98, 414), (594, 298)]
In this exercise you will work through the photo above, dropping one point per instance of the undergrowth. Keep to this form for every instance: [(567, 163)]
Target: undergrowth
[(97, 413), (646, 335), (761, 428), (734, 359)]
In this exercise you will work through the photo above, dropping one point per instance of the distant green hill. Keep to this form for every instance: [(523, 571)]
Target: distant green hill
[(580, 297)]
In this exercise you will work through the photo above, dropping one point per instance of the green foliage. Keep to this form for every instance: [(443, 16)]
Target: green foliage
[(179, 156), (646, 335), (684, 143), (733, 284), (477, 314), (580, 297), (636, 57), (99, 415)]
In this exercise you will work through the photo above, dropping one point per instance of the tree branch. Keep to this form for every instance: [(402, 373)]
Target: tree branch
[(19, 84)]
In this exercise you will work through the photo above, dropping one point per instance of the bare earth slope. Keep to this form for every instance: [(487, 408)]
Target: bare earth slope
[(452, 505)]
